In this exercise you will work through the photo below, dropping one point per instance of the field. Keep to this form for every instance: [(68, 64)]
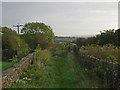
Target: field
[(5, 65)]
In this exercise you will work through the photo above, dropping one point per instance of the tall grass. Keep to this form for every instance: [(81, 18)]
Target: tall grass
[(109, 52), (36, 75)]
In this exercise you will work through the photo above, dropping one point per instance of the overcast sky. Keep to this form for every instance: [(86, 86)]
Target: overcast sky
[(66, 18)]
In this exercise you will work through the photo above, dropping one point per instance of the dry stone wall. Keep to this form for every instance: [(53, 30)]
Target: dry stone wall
[(108, 72), (13, 73)]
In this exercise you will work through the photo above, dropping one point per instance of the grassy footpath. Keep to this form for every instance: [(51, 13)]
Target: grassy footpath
[(60, 72), (67, 74)]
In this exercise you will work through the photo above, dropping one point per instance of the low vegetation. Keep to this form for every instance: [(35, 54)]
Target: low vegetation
[(56, 72), (109, 52), (105, 46), (5, 65)]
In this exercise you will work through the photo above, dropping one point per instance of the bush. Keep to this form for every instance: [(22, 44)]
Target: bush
[(12, 41), (9, 39), (37, 74), (14, 59), (109, 52), (58, 50), (41, 57)]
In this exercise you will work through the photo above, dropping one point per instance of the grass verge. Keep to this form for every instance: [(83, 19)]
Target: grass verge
[(5, 65)]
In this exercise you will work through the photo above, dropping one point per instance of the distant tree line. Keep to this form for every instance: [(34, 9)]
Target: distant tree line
[(105, 37)]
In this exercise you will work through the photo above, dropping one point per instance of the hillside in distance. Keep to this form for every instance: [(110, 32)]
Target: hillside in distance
[(60, 39), (70, 38), (84, 36)]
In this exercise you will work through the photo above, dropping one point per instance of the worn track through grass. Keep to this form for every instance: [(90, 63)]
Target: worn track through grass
[(61, 72), (69, 75)]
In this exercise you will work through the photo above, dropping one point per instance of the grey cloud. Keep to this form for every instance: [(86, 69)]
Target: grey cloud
[(65, 18)]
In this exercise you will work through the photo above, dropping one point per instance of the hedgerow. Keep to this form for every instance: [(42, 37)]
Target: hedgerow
[(108, 52)]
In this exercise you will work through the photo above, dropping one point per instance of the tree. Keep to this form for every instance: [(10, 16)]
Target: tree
[(81, 41), (9, 38), (42, 41), (12, 42), (39, 28), (107, 37), (117, 32)]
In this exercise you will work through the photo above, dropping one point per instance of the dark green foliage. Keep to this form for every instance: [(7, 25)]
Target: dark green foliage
[(81, 41), (29, 39), (12, 42), (86, 41), (118, 36), (37, 33), (42, 40), (9, 39), (8, 54), (106, 37)]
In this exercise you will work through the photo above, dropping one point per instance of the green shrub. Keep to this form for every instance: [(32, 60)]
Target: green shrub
[(58, 50), (12, 41), (36, 74), (9, 39), (15, 59), (107, 52), (41, 57), (111, 58)]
